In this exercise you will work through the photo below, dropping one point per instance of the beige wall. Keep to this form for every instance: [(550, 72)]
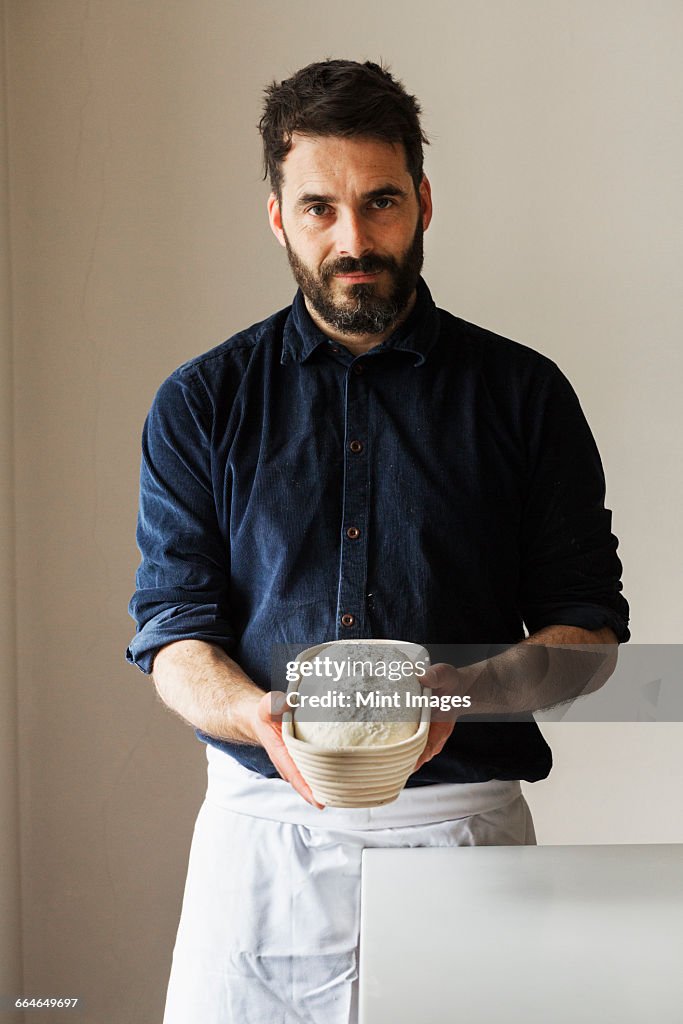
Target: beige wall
[(139, 239), (10, 893)]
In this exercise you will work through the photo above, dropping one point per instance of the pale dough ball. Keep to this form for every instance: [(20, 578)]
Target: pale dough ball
[(361, 668), (335, 735)]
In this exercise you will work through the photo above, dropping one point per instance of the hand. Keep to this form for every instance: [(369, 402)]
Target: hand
[(440, 678), (267, 727)]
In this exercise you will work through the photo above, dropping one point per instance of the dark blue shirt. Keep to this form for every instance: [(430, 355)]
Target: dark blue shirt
[(442, 488)]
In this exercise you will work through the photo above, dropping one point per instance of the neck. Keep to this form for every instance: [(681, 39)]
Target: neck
[(357, 344)]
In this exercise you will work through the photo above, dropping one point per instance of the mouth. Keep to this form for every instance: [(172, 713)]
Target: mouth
[(358, 277)]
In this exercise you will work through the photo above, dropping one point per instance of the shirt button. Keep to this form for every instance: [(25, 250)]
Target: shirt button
[(335, 350), (356, 447), (347, 620), (358, 368), (353, 533)]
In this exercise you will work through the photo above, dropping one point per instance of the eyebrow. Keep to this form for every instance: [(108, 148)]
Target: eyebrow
[(377, 193)]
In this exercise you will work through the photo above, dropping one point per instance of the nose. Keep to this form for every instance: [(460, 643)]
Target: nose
[(353, 237)]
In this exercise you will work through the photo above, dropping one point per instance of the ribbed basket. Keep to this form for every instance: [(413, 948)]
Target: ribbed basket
[(357, 776)]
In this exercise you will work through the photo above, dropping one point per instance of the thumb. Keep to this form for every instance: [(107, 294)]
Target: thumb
[(439, 677), (273, 705)]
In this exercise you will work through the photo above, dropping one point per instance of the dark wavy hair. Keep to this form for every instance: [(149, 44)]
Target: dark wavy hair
[(343, 98)]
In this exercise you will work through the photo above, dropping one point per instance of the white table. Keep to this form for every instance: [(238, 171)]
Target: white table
[(528, 934)]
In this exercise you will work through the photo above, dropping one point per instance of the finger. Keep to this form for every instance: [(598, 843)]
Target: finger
[(440, 676), (269, 713), (436, 741), (427, 754), (297, 781), (278, 704), (272, 706), (286, 765), (303, 789)]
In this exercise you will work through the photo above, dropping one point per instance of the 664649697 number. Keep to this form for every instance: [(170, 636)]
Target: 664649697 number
[(46, 1002)]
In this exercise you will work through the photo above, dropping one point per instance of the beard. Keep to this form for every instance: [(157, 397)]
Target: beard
[(363, 310)]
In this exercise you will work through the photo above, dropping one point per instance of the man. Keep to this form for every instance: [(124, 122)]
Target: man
[(360, 464)]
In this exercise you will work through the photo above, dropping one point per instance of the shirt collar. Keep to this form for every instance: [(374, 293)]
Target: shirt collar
[(416, 335)]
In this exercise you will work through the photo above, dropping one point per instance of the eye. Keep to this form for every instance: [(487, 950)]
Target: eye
[(384, 199), (321, 208)]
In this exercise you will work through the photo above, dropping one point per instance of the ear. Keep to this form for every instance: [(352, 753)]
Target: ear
[(275, 218), (425, 201)]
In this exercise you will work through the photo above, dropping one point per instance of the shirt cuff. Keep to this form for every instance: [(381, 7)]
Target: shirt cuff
[(163, 630), (583, 616)]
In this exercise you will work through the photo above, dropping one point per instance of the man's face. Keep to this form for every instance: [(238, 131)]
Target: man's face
[(352, 225)]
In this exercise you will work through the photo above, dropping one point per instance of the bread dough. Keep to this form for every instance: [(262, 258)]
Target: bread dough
[(366, 726)]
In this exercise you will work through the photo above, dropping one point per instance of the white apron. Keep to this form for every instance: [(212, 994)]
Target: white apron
[(270, 921)]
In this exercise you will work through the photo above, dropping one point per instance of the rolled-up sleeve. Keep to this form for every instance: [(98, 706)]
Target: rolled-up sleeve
[(182, 580), (570, 572)]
